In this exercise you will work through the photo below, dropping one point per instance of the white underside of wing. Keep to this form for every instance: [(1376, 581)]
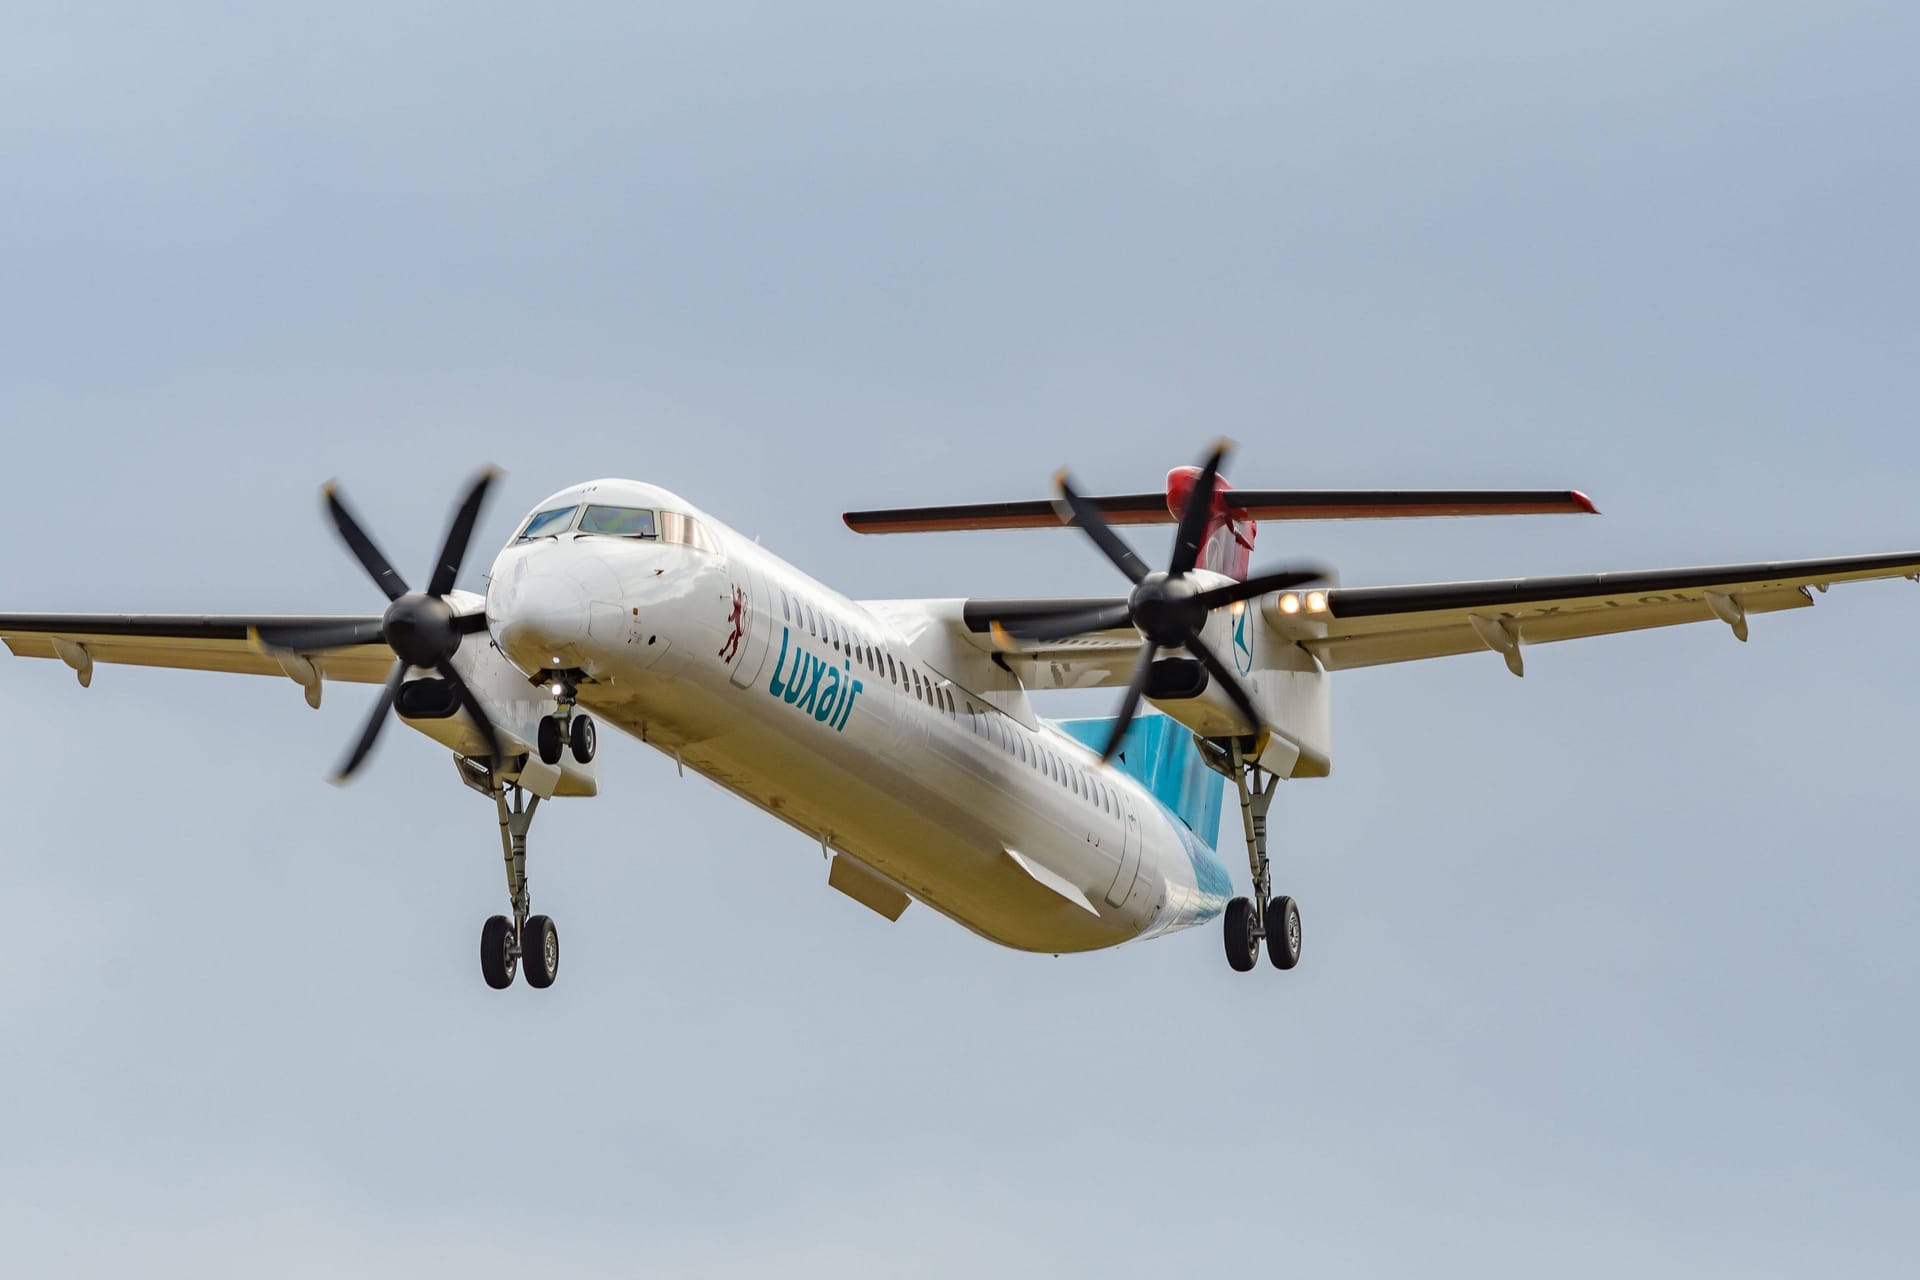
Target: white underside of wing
[(361, 664)]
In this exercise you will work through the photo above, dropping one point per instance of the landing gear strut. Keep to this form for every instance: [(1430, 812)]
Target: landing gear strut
[(1249, 922), (524, 941)]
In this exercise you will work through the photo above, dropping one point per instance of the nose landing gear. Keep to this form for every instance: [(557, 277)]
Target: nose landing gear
[(1250, 921), (566, 728), (524, 941)]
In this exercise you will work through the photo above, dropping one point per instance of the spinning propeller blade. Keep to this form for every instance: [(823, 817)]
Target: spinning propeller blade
[(1169, 609), (419, 626)]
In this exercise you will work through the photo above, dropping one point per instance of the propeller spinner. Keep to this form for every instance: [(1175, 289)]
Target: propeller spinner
[(1169, 609)]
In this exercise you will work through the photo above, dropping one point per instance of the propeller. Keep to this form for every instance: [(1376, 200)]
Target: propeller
[(419, 626), (1168, 609)]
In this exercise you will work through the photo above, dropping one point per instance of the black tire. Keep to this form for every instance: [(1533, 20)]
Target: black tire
[(497, 962), (584, 739), (540, 951), (549, 743), (1283, 933), (1243, 948)]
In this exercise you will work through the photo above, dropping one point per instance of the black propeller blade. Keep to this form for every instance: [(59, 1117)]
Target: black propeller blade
[(1076, 510), (1168, 609), (419, 626), (1199, 508), (376, 721), (1130, 702), (1059, 626)]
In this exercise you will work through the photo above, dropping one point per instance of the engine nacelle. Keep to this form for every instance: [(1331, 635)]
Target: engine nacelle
[(1287, 683)]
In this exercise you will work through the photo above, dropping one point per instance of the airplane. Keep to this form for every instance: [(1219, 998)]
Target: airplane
[(900, 735)]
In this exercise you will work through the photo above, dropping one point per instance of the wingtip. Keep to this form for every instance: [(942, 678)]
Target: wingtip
[(1585, 503)]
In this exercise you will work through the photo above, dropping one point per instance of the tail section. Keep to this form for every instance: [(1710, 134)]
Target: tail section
[(1228, 545), (1158, 753)]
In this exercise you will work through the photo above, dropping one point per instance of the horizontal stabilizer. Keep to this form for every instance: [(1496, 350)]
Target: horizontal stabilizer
[(1258, 504)]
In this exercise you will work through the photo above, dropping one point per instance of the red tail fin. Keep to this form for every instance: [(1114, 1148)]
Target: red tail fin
[(1228, 545)]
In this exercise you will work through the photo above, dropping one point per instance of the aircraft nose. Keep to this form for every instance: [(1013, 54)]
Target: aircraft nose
[(542, 623)]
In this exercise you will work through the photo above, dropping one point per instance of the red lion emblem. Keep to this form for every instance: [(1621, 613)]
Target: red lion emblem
[(738, 621)]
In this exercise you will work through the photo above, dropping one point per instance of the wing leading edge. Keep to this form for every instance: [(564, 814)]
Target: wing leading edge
[(1371, 626), (263, 645)]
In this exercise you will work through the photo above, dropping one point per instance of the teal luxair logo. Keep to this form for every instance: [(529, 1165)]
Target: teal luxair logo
[(815, 685), (1242, 642)]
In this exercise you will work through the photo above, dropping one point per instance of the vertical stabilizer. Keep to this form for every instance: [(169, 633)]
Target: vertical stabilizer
[(1228, 545), (1158, 753)]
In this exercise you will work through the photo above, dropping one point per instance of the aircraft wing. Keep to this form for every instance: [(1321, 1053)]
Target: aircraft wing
[(1095, 660), (1370, 626), (257, 645)]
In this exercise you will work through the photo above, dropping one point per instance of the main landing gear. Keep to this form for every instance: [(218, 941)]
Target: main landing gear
[(524, 941), (1249, 921)]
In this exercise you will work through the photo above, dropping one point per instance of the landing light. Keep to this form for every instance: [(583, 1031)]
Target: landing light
[(1290, 603), (1316, 602), (556, 688)]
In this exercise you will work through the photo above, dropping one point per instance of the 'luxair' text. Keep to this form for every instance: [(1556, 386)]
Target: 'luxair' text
[(815, 685)]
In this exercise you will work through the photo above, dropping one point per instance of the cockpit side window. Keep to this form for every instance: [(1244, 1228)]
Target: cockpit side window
[(685, 531), (547, 524), (619, 522)]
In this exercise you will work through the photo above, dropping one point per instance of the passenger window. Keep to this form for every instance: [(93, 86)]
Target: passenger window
[(786, 611)]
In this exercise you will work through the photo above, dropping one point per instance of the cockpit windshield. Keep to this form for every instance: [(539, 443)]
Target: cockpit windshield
[(618, 522), (547, 524), (621, 522)]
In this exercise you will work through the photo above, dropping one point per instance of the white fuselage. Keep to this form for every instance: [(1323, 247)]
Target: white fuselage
[(867, 726)]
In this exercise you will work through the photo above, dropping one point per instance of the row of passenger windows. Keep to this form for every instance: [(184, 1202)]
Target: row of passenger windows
[(989, 725), (619, 522)]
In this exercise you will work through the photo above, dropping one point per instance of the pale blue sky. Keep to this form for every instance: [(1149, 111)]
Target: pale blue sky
[(1610, 968)]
